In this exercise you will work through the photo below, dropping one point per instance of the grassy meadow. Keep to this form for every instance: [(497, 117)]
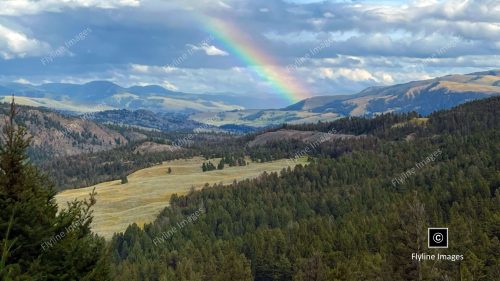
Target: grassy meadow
[(148, 190)]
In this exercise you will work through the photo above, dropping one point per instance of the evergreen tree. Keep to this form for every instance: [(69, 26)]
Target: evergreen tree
[(38, 243), (220, 166), (26, 196)]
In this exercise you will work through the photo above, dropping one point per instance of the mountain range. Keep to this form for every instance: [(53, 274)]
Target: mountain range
[(105, 95), (423, 96)]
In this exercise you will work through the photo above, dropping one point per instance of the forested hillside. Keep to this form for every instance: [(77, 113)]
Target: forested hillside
[(58, 135), (349, 215)]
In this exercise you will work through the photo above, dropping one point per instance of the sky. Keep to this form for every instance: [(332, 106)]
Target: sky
[(286, 48)]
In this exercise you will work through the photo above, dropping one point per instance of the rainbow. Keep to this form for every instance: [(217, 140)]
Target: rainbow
[(234, 39), (237, 43)]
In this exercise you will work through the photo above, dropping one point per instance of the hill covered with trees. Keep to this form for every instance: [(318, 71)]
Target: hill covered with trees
[(344, 216)]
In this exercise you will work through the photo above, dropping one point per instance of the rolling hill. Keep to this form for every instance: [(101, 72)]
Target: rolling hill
[(423, 97)]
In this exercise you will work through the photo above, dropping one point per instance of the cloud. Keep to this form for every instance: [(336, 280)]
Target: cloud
[(351, 74), (213, 51), (169, 86), (22, 81), (17, 44), (28, 7), (370, 42), (385, 78), (140, 68), (210, 50), (224, 5)]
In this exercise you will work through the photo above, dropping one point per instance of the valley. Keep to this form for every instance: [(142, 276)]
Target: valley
[(238, 140), (148, 190)]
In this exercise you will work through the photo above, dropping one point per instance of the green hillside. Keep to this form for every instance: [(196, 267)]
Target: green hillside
[(353, 214)]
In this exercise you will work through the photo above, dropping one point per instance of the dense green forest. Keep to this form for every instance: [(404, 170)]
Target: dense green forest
[(341, 217)]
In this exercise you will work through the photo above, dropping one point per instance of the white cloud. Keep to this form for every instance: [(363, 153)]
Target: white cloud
[(384, 78), (22, 81), (17, 44), (328, 15), (27, 7), (167, 69), (153, 69), (140, 68), (169, 86), (355, 74), (210, 50), (224, 5)]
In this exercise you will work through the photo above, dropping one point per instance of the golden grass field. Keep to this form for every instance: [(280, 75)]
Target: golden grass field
[(148, 190), (415, 121)]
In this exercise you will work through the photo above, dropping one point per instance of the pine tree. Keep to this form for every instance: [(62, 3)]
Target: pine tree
[(38, 243), (221, 165), (26, 195)]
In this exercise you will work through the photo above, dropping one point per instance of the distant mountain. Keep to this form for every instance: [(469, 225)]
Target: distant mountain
[(231, 111), (423, 97), (104, 95)]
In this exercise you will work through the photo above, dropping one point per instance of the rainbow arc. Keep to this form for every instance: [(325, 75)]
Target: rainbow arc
[(237, 43)]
